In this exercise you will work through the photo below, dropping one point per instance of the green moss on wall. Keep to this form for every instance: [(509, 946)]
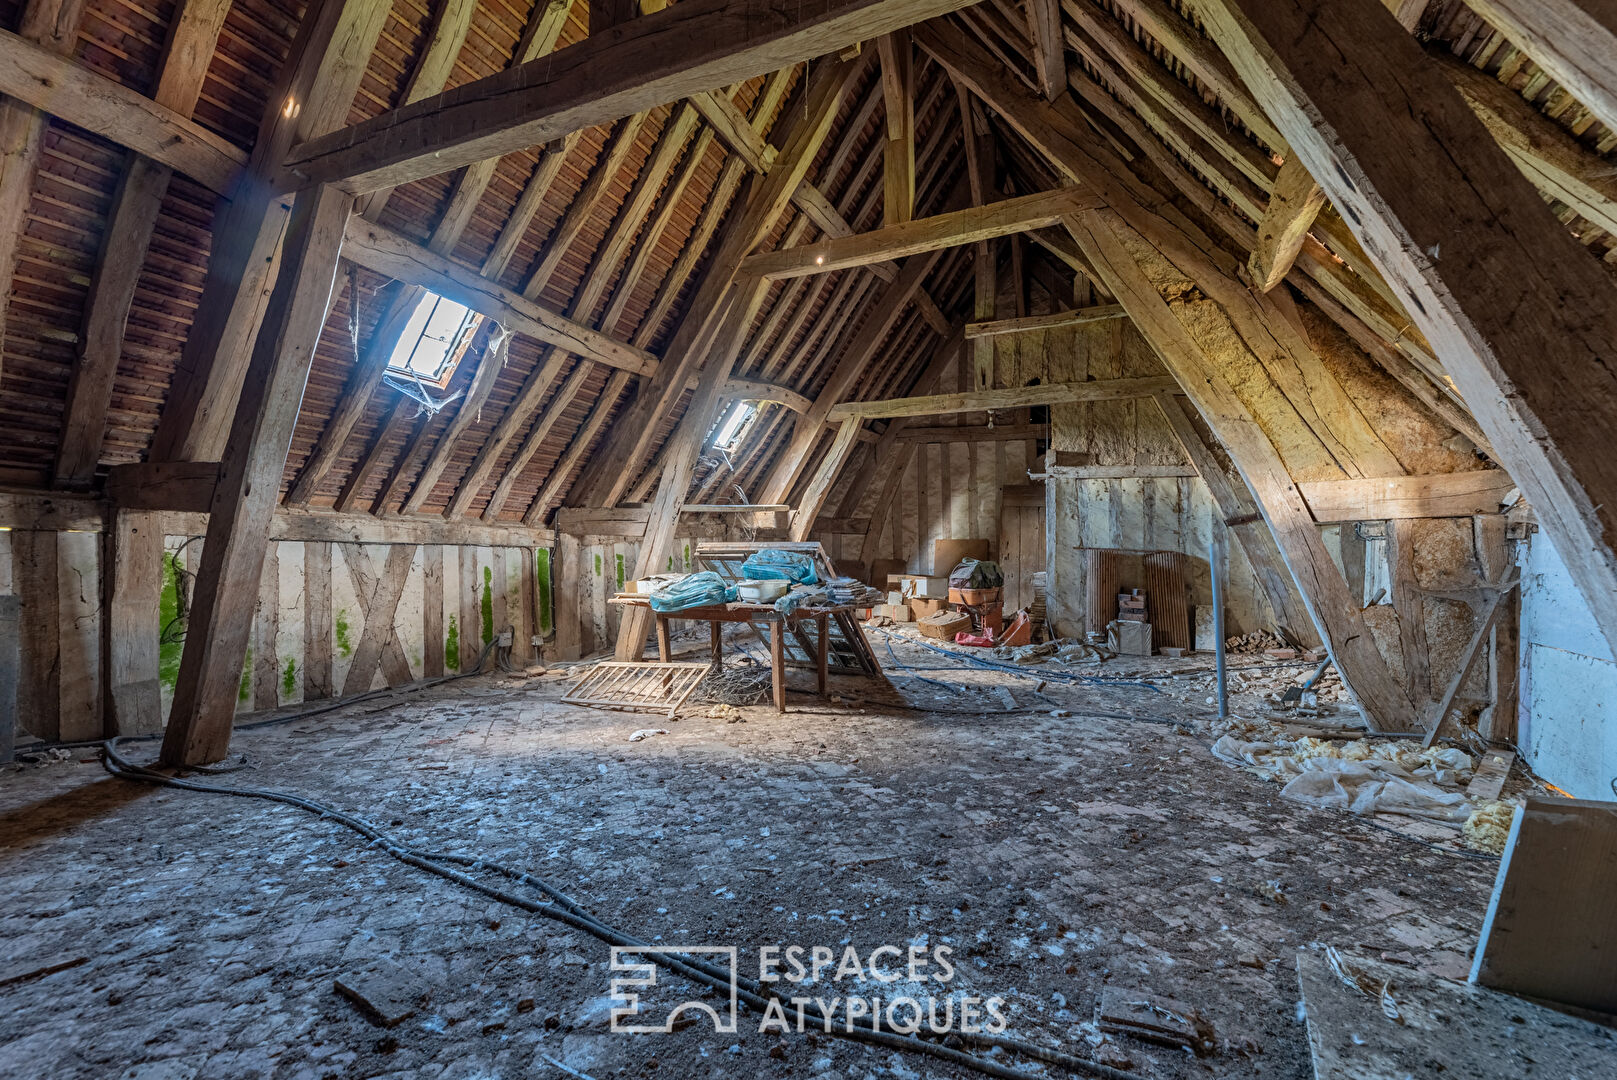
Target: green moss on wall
[(620, 572), (171, 642), (488, 604), (452, 646), (344, 645), (245, 691), (542, 576), (289, 677)]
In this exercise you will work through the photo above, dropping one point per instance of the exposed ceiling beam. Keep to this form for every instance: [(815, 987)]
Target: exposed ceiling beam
[(386, 252), (1574, 41), (925, 234), (685, 49), (1293, 205), (1012, 398), (1522, 319)]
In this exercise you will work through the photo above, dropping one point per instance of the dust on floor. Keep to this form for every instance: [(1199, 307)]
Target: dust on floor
[(1058, 840)]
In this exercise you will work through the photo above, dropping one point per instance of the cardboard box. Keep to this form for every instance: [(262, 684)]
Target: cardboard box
[(911, 585), (927, 605), (896, 612), (946, 554)]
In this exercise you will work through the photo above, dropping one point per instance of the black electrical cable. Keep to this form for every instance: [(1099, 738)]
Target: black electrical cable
[(564, 909)]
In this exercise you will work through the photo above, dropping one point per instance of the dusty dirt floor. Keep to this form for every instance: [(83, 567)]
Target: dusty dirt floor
[(1057, 840)]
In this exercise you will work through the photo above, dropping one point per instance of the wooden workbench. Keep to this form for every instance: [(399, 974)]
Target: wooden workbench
[(715, 615)]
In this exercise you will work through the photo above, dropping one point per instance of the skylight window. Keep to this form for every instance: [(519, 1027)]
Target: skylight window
[(435, 328), (734, 425)]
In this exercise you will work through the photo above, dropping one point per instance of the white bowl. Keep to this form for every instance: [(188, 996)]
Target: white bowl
[(763, 591)]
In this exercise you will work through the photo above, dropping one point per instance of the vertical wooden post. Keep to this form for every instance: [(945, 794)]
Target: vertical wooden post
[(266, 627), (33, 570), (432, 610), (249, 480), (132, 587), (1494, 553), (1410, 605), (316, 620), (10, 648), (471, 622), (567, 584)]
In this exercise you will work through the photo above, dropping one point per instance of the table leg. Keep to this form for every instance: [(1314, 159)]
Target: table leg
[(821, 662), (717, 631), (663, 646), (777, 662)]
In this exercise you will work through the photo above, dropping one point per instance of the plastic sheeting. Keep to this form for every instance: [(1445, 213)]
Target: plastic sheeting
[(693, 590), (795, 566), (1363, 777)]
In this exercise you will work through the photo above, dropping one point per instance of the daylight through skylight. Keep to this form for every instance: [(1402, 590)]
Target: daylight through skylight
[(429, 337), (733, 425)]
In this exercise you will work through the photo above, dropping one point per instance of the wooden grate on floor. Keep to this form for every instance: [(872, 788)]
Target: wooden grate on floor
[(653, 687)]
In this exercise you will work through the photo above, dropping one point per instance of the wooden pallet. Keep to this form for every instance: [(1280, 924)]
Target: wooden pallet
[(648, 687)]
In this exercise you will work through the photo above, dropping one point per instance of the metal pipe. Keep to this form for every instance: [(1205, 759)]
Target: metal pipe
[(1215, 563)]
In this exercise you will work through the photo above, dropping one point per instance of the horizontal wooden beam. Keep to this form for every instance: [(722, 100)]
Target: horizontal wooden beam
[(1021, 214), (685, 49), (947, 433), (62, 87), (630, 521), (386, 252), (1015, 397), (184, 490), (1462, 494), (1075, 317), (1117, 472)]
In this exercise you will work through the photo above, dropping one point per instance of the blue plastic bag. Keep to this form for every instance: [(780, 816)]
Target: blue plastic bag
[(772, 563), (693, 590)]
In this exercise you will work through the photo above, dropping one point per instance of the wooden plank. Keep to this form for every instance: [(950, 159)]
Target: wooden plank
[(47, 28), (380, 636), (967, 226), (1040, 323), (567, 583), (1529, 349), (819, 488), (1294, 201), (470, 622), (1551, 927), (1009, 398), (46, 80), (34, 576), (432, 611), (1492, 771), (1574, 41), (322, 73), (132, 585), (1461, 494), (898, 151), (193, 34), (1501, 1037), (1552, 160), (386, 252), (1049, 54), (1117, 472), (685, 49), (266, 674), (317, 625), (761, 390), (1409, 604), (244, 499)]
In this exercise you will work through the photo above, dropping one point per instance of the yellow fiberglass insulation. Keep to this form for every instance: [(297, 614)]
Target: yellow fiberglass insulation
[(1488, 827)]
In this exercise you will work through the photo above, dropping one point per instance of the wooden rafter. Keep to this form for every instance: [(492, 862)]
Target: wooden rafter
[(186, 56), (898, 151), (1440, 209), (685, 49)]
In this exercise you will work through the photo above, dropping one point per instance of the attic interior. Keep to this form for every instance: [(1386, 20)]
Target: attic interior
[(1133, 459)]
